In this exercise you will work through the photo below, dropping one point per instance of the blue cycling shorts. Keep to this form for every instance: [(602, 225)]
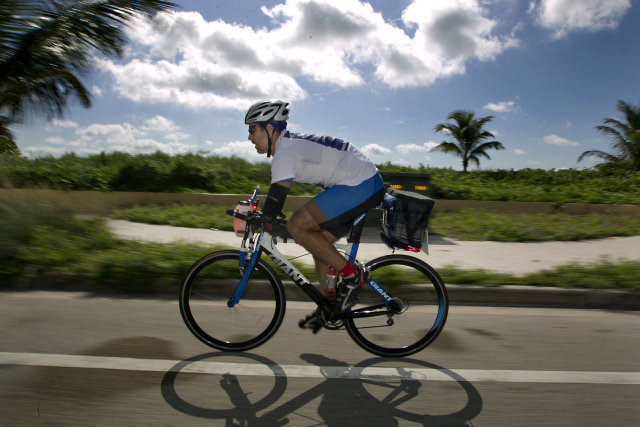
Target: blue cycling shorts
[(342, 204)]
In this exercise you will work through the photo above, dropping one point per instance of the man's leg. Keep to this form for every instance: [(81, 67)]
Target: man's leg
[(305, 229), (321, 270), (343, 204)]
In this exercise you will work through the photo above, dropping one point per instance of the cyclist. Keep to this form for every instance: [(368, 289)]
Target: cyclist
[(351, 183)]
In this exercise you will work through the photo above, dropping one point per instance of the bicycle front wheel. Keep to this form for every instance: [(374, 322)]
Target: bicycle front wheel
[(208, 286), (425, 305)]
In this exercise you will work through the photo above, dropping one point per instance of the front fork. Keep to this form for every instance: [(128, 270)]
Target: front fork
[(246, 268)]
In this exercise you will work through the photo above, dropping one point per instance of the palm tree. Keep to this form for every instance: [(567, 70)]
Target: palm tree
[(7, 146), (45, 46), (469, 136), (625, 137)]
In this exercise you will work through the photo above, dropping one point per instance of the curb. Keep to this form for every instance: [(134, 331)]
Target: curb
[(519, 296), (510, 296), (544, 297)]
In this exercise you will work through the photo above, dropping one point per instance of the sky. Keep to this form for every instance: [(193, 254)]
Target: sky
[(380, 74)]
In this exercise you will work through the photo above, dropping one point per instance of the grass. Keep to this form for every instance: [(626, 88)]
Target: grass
[(47, 243), (44, 245), (195, 216), (521, 227), (601, 275), (462, 225)]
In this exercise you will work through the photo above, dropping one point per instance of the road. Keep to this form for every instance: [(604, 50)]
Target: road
[(78, 359)]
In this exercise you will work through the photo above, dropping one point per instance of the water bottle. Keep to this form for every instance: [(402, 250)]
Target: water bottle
[(239, 225), (331, 278)]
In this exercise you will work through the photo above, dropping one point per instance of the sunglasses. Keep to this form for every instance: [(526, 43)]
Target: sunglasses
[(252, 129)]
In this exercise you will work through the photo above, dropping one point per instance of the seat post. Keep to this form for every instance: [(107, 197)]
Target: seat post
[(356, 229)]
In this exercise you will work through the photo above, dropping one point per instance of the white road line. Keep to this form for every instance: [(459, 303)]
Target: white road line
[(308, 371)]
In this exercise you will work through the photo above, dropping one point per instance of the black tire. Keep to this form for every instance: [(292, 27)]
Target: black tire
[(417, 284), (206, 289)]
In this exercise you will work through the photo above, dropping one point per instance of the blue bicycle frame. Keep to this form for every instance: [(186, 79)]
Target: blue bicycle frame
[(266, 242)]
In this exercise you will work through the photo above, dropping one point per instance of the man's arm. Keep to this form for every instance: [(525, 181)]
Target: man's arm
[(276, 197)]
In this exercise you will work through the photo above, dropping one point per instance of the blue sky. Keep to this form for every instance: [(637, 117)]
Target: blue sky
[(380, 74)]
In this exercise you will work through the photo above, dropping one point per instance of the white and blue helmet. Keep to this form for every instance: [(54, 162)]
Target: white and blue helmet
[(267, 111)]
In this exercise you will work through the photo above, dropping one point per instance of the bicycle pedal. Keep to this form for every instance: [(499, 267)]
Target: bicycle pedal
[(311, 321)]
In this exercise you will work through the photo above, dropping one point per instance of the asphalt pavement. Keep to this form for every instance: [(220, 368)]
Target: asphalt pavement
[(513, 258)]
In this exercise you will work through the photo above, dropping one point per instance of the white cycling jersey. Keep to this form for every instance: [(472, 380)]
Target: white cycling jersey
[(320, 160)]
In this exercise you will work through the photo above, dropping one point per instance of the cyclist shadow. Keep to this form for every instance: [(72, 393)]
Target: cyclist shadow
[(343, 399), (349, 395)]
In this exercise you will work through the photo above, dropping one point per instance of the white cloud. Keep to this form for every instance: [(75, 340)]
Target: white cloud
[(519, 151), (57, 150), (126, 137), (556, 140), (420, 148), (374, 149), (198, 85), (501, 107), (63, 123), (55, 140), (244, 149), (430, 145), (455, 28), (110, 133), (564, 16), (181, 58), (177, 136), (159, 124)]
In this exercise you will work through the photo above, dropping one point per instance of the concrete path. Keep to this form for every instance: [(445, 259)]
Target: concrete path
[(514, 258)]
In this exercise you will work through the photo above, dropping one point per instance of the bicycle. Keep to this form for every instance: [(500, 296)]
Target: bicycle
[(232, 300)]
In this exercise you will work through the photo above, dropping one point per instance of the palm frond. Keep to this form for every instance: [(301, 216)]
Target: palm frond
[(624, 135), (5, 132), (599, 154), (447, 147), (46, 46)]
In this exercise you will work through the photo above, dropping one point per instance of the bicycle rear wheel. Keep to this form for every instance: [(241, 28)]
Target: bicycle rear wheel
[(420, 287), (206, 289)]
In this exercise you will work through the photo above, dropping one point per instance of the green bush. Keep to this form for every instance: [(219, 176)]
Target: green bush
[(140, 175), (184, 175), (198, 172), (536, 185)]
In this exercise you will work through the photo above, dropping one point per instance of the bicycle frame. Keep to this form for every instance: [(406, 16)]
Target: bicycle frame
[(266, 242)]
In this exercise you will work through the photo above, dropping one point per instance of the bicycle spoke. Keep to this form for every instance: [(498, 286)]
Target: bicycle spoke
[(250, 322), (415, 323)]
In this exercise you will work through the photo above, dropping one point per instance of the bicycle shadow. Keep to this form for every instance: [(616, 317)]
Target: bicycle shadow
[(348, 395), (239, 406)]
